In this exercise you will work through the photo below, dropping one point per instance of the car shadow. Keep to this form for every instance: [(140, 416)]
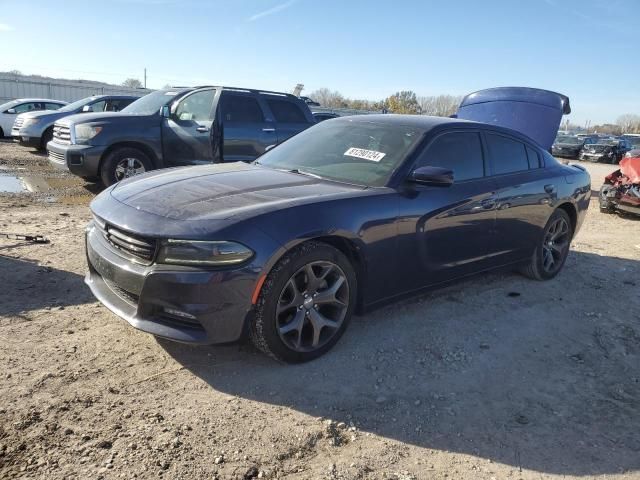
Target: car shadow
[(26, 285), (529, 374)]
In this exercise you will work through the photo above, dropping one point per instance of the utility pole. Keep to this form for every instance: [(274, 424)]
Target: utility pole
[(145, 77)]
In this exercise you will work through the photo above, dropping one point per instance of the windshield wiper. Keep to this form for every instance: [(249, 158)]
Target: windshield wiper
[(303, 172)]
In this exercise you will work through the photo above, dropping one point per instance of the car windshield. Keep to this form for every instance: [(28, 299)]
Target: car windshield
[(570, 140), (8, 105), (77, 104), (150, 103), (356, 152)]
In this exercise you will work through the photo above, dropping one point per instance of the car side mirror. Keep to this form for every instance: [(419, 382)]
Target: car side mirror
[(87, 108), (165, 111), (435, 176), (12, 111)]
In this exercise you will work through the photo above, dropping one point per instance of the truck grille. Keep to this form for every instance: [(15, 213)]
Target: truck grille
[(18, 123), (56, 157), (61, 134), (133, 245)]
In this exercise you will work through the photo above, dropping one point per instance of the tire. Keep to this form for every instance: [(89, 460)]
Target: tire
[(1, 133), (123, 163), (558, 249), (47, 136), (285, 324)]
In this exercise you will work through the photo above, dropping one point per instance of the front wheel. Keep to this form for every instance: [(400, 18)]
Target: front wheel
[(124, 163), (551, 253), (305, 303)]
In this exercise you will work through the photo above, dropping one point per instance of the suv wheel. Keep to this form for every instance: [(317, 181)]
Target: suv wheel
[(124, 163), (305, 303)]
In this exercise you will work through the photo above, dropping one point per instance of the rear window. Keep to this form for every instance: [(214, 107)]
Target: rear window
[(534, 158), (507, 155), (286, 112)]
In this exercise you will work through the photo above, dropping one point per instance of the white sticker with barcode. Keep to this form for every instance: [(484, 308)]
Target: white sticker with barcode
[(371, 155)]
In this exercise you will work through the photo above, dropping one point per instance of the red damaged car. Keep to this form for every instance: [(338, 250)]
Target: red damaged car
[(621, 189)]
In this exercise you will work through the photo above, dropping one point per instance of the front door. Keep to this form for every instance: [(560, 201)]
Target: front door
[(446, 231), (186, 134)]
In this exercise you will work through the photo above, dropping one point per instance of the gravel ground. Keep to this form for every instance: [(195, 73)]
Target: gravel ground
[(496, 377)]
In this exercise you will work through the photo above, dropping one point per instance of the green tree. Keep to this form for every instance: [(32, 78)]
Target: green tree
[(403, 102)]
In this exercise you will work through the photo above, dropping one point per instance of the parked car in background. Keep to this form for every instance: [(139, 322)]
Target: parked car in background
[(35, 129), (632, 153), (621, 189), (322, 116), (605, 150), (632, 138), (10, 110), (569, 146), (348, 215), (309, 101), (177, 127)]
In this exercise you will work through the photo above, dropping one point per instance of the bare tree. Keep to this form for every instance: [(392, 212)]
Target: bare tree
[(132, 83), (328, 98), (440, 105), (629, 123)]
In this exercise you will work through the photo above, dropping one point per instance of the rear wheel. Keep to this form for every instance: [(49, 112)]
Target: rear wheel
[(124, 163), (551, 253), (305, 303)]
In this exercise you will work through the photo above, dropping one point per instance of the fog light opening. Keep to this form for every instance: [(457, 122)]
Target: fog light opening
[(178, 313)]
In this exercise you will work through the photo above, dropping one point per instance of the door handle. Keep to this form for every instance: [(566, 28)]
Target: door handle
[(202, 129), (550, 188), (268, 129), (488, 203)]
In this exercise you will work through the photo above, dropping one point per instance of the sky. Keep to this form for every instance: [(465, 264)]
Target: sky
[(585, 49)]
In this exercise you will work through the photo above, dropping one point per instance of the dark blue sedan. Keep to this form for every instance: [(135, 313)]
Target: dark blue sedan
[(348, 215)]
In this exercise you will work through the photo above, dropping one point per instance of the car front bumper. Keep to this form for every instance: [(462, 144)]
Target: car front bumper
[(81, 160), (565, 153), (596, 157), (27, 136), (184, 304)]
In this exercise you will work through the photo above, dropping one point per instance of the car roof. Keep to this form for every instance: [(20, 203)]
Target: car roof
[(36, 100), (428, 123)]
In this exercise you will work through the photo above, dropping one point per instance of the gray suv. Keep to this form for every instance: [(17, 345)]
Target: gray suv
[(173, 127), (35, 129)]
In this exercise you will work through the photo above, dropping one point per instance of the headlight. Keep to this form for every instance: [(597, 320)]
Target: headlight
[(30, 121), (85, 132), (194, 252)]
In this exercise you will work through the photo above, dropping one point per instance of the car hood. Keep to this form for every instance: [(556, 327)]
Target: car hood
[(47, 115), (531, 111), (222, 192), (95, 117), (567, 145)]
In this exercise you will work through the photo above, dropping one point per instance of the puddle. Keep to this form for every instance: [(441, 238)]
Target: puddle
[(16, 184), (11, 184)]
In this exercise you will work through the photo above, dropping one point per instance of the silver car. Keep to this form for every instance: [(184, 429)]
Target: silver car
[(10, 110)]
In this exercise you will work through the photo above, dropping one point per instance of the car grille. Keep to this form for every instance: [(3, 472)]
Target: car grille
[(56, 157), (61, 134), (596, 148), (18, 123), (132, 245)]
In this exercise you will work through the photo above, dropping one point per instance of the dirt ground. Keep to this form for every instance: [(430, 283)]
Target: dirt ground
[(498, 377)]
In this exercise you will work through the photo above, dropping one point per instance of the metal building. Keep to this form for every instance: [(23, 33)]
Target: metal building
[(23, 86)]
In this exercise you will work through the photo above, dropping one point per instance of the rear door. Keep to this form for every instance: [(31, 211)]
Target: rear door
[(524, 193), (246, 133), (186, 134), (288, 115)]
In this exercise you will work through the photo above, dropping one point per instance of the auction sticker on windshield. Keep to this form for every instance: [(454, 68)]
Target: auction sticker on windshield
[(365, 154)]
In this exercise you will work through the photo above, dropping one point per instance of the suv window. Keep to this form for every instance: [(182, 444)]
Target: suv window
[(196, 107), (52, 106), (240, 108), (534, 158), (458, 151), (117, 105), (286, 112), (98, 106), (507, 155)]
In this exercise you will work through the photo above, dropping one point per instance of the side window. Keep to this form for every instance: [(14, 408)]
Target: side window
[(286, 112), (98, 106), (458, 151), (196, 107), (240, 108), (52, 106), (27, 107), (534, 158), (117, 105), (507, 155)]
